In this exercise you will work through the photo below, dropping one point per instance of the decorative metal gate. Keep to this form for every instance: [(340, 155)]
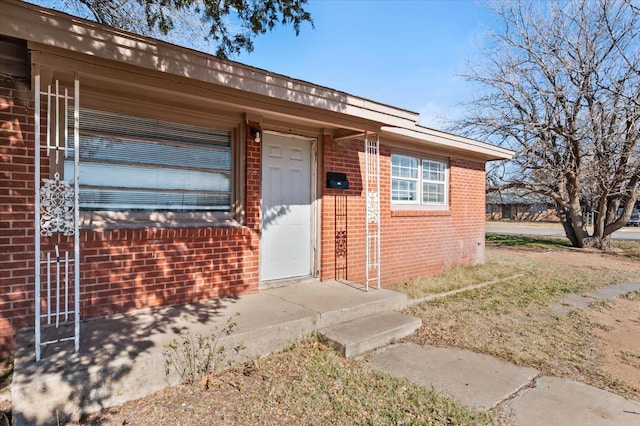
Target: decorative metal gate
[(341, 241), (57, 273), (372, 222)]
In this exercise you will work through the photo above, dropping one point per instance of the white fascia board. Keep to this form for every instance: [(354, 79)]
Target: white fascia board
[(38, 24), (429, 137)]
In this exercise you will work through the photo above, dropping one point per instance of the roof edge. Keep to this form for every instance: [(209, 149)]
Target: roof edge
[(427, 136), (58, 29)]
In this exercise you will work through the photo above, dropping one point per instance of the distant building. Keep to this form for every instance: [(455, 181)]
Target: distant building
[(520, 205)]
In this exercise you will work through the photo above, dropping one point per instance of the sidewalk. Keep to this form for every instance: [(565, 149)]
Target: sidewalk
[(484, 382), (530, 399)]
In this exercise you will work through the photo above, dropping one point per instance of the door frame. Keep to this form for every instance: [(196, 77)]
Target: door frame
[(314, 217)]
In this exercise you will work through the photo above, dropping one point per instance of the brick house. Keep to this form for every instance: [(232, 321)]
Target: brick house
[(201, 178), (520, 206)]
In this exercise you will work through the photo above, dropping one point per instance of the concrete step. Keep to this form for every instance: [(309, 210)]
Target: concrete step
[(384, 303), (364, 334), (335, 302)]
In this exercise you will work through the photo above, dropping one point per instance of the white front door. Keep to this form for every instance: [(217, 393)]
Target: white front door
[(286, 207)]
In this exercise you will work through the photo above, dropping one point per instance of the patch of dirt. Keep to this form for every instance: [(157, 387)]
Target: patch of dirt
[(617, 332), (618, 322), (618, 336)]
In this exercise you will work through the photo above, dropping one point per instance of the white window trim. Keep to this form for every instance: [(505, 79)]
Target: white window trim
[(418, 204)]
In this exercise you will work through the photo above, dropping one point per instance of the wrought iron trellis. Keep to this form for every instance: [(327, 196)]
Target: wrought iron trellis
[(56, 215), (372, 221), (341, 237)]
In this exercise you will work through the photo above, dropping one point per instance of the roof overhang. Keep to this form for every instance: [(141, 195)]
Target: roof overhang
[(55, 30), (425, 136), (48, 27)]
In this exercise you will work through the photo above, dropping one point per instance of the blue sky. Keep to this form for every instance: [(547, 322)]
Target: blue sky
[(405, 53)]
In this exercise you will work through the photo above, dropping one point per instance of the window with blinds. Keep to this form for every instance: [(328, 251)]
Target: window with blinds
[(132, 163)]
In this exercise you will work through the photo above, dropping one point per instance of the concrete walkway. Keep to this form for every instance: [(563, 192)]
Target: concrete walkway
[(579, 301), (530, 399), (476, 380), (484, 382)]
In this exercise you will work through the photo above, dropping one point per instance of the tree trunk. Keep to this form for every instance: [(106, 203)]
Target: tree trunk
[(581, 239), (603, 243), (569, 225), (568, 230)]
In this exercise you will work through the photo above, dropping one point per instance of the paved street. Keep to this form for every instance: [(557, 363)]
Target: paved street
[(551, 230)]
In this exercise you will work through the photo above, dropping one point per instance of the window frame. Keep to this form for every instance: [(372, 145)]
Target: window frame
[(419, 203), (134, 219), (538, 208)]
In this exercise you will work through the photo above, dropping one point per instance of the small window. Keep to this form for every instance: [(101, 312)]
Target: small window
[(418, 181), (405, 172), (138, 164), (538, 208)]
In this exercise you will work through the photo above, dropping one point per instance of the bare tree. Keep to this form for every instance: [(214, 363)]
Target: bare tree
[(560, 85), (229, 26)]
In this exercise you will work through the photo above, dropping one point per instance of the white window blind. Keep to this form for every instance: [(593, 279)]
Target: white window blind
[(132, 163)]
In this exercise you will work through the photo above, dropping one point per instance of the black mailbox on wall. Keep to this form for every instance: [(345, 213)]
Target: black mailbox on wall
[(337, 180)]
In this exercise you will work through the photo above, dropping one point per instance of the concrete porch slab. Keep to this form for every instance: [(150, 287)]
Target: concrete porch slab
[(121, 358), (334, 304)]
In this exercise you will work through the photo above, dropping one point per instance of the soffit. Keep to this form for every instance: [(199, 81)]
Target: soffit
[(422, 136), (55, 29), (109, 82)]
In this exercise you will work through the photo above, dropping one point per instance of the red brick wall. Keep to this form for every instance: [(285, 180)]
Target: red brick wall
[(413, 243), (125, 270), (121, 270), (343, 157), (16, 211), (253, 178)]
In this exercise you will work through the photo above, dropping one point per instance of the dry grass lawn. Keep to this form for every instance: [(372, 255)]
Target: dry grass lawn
[(303, 385)]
